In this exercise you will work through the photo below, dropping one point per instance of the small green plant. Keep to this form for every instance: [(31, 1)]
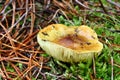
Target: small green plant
[(103, 65)]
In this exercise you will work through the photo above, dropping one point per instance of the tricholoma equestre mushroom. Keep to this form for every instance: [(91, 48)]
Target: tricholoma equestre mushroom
[(69, 44)]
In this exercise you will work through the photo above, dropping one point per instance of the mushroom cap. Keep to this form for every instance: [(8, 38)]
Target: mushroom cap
[(69, 44)]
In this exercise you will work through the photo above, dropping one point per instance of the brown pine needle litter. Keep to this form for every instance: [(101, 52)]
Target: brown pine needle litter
[(18, 47)]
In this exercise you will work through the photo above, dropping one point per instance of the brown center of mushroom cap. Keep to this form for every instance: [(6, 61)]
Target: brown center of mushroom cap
[(80, 44)]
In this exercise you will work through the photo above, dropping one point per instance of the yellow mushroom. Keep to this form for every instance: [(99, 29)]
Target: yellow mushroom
[(69, 44)]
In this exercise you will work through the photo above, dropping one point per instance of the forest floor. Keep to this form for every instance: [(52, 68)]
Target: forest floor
[(21, 57)]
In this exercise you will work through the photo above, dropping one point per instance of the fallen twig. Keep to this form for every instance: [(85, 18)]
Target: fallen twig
[(103, 7), (116, 4), (82, 4)]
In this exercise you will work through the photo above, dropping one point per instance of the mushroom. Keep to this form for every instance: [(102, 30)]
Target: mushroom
[(69, 44)]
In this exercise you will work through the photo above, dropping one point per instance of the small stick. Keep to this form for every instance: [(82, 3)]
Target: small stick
[(94, 68), (116, 4), (20, 49), (18, 21), (103, 7), (40, 69), (112, 68), (26, 14), (2, 73), (4, 69), (5, 6), (32, 16), (82, 4), (56, 14), (13, 15)]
